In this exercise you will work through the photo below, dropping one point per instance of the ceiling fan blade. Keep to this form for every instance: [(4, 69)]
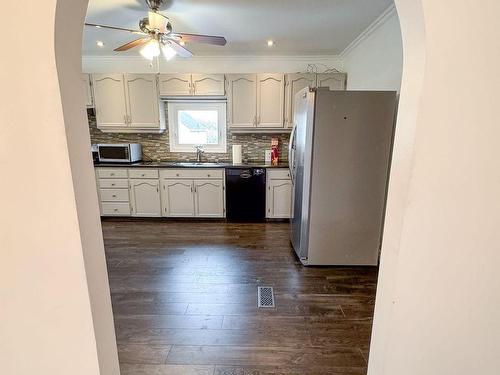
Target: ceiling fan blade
[(115, 28), (181, 51), (197, 38), (157, 21), (132, 44)]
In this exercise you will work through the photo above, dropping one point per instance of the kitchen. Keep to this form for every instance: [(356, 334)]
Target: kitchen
[(217, 158)]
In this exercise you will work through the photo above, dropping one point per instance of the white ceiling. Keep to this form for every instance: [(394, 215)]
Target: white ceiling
[(298, 27)]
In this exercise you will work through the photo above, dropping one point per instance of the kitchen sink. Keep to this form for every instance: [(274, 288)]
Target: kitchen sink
[(196, 164)]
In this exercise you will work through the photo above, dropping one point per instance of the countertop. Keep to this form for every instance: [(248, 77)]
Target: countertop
[(172, 164)]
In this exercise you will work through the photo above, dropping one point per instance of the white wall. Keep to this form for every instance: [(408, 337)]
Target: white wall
[(210, 64), (50, 243), (374, 61), (437, 304)]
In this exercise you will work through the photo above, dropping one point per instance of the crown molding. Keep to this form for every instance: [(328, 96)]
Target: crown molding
[(381, 20), (210, 64)]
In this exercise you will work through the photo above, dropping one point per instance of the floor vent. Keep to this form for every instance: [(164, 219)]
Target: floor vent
[(265, 296)]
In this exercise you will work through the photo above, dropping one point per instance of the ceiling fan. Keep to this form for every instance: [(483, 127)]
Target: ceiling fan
[(157, 36)]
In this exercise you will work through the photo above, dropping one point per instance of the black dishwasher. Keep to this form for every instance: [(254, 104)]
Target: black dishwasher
[(246, 194)]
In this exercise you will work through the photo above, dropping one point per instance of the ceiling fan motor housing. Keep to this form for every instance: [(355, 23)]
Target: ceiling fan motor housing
[(155, 4), (144, 26)]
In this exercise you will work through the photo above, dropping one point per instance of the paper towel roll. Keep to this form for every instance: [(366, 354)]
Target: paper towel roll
[(236, 154)]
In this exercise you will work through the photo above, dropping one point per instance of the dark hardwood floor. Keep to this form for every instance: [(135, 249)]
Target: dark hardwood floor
[(185, 302)]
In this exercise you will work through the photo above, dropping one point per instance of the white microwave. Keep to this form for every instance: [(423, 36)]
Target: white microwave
[(119, 153)]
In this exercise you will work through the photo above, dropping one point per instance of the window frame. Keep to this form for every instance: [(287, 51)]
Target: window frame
[(173, 107)]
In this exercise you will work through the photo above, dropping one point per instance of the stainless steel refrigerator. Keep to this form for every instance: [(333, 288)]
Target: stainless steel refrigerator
[(339, 158)]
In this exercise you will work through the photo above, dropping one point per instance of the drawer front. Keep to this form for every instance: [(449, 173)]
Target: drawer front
[(143, 173), (278, 174), (114, 195), (112, 173), (193, 173), (115, 209), (109, 183)]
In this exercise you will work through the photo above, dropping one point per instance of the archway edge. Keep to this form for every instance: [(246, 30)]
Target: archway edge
[(68, 60)]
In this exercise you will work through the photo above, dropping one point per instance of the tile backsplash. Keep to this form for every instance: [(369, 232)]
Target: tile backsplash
[(156, 147)]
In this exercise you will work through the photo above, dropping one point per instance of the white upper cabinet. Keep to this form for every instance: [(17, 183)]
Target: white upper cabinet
[(209, 198), (175, 84), (208, 84), (334, 81), (87, 90), (110, 101), (145, 197), (295, 83), (192, 85), (242, 100), (128, 103), (178, 198), (270, 100), (142, 95)]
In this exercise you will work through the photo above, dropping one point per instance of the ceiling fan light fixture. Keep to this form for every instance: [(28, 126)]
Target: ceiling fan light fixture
[(168, 52), (150, 50)]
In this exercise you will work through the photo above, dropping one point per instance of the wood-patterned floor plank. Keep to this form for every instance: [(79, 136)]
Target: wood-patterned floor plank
[(185, 302)]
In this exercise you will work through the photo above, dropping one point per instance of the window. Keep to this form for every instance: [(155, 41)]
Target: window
[(195, 123)]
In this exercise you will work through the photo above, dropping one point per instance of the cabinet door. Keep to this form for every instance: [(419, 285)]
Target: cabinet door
[(242, 100), (142, 101), (295, 83), (87, 90), (175, 84), (270, 100), (145, 197), (178, 198), (334, 81), (209, 198), (279, 199), (110, 103), (208, 84)]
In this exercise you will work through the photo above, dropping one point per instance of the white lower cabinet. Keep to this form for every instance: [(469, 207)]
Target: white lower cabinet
[(209, 198), (279, 194), (177, 197), (145, 197), (113, 191), (193, 193)]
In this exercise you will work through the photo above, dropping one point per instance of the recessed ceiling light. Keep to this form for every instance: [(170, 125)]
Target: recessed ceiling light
[(182, 43), (270, 43), (99, 43)]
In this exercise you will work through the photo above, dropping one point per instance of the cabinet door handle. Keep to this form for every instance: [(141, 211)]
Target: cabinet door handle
[(125, 119), (114, 195)]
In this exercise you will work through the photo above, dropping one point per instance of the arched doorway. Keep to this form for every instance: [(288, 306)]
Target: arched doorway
[(432, 285)]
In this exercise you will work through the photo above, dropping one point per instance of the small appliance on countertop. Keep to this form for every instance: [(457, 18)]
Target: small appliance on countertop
[(95, 153), (119, 153)]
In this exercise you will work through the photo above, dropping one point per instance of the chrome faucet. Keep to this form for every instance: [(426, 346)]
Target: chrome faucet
[(199, 153)]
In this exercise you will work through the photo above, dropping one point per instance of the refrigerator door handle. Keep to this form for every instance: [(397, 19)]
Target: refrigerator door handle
[(291, 155)]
